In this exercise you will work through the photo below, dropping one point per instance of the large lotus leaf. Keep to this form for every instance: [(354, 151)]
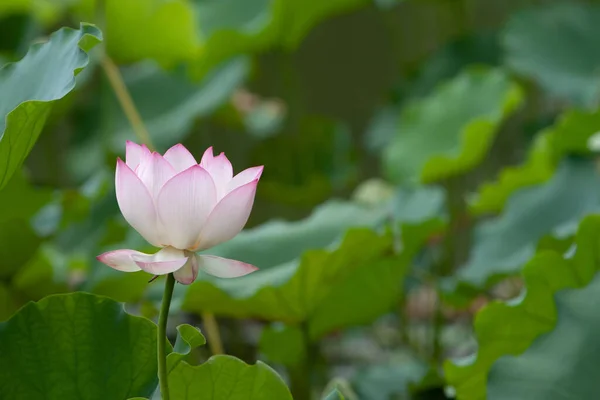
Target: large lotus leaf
[(30, 86), (560, 364), (290, 292), (320, 289), (450, 131), (276, 246), (164, 30), (511, 328), (221, 377), (170, 115), (277, 241), (569, 135), (77, 346), (556, 46), (503, 244), (226, 378)]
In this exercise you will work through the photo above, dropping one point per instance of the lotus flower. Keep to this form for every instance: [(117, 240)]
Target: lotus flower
[(182, 207)]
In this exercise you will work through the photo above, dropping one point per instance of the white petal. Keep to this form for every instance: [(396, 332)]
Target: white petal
[(228, 217), (136, 203), (189, 272), (184, 204), (134, 153), (164, 262), (180, 158), (246, 176), (155, 171), (224, 267), (219, 168), (121, 260)]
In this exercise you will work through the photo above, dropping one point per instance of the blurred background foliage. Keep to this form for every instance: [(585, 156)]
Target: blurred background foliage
[(418, 154)]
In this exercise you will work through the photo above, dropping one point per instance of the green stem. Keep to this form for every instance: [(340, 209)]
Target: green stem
[(300, 381), (162, 337)]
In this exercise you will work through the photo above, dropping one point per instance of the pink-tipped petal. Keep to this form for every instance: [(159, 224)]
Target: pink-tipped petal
[(154, 172), (224, 267), (189, 272), (184, 204), (136, 203), (180, 158), (164, 262), (121, 260), (207, 156), (134, 153), (219, 168), (228, 217), (246, 176)]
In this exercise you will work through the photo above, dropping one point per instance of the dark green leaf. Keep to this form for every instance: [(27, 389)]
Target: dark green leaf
[(77, 346)]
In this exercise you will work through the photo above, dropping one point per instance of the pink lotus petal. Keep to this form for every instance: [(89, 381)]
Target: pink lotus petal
[(189, 272), (121, 260), (136, 203), (224, 267), (164, 262), (184, 204), (246, 176), (134, 153), (154, 171), (180, 158), (228, 217), (219, 168)]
